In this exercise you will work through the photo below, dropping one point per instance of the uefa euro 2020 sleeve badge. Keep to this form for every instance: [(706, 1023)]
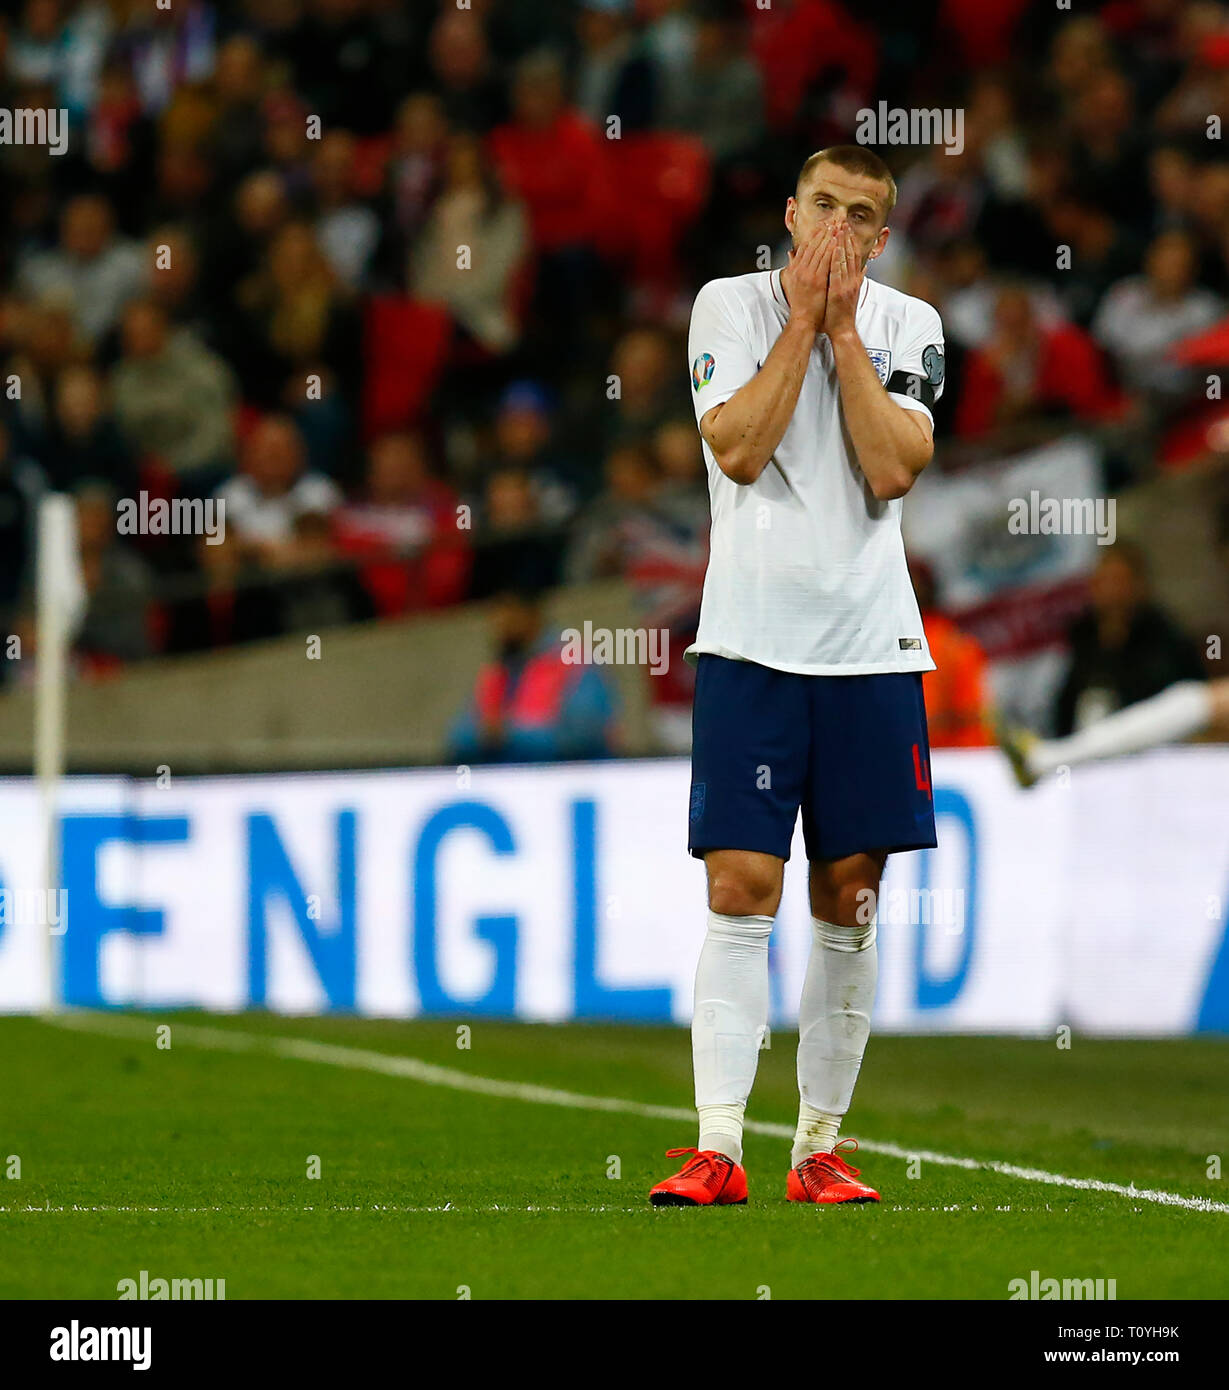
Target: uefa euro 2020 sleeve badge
[(702, 370)]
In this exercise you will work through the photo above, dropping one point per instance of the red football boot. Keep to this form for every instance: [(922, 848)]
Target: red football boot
[(828, 1178), (707, 1179)]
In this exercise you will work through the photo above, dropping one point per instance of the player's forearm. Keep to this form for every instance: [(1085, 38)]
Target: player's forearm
[(891, 449), (745, 432)]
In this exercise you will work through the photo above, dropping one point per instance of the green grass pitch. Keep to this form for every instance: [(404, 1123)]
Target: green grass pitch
[(193, 1162)]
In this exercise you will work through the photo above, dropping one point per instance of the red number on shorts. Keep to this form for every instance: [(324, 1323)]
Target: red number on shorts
[(921, 772)]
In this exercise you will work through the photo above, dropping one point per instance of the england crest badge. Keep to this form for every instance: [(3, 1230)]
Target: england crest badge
[(881, 359)]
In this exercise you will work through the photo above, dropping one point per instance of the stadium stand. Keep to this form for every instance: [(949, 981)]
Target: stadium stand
[(258, 214)]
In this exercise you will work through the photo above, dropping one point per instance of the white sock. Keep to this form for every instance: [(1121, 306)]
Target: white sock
[(816, 1133), (727, 1029), (834, 1022), (1176, 713)]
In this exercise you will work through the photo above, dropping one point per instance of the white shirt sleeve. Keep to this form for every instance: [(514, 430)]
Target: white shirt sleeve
[(722, 360), (316, 493), (916, 381)]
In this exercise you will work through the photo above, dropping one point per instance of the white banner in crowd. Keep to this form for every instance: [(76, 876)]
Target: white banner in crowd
[(567, 892), (1011, 545)]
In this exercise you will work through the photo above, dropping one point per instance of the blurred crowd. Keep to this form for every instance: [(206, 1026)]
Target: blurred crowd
[(407, 284)]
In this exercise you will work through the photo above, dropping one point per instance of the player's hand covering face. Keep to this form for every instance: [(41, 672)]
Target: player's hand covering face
[(846, 273), (807, 277)]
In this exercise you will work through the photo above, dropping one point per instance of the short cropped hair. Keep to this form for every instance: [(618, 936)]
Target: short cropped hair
[(854, 159)]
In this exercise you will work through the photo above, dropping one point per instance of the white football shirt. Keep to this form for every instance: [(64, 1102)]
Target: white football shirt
[(807, 570)]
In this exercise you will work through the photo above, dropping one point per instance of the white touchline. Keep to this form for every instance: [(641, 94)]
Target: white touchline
[(284, 1210), (380, 1208), (411, 1069)]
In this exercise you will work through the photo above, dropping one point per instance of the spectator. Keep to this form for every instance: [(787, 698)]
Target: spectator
[(524, 440), (348, 231), (529, 704), (808, 52), (643, 367), (183, 188), (1124, 648), (347, 63), (551, 159), (118, 587), (296, 322), (680, 462), (970, 295), (278, 569), (167, 49), (1000, 140), (44, 344), (1209, 206), (668, 575), (670, 36), (610, 525), (473, 211), (273, 490), (646, 528), (173, 397), (83, 444), (286, 146), (93, 267), (941, 198), (1014, 230), (86, 36), (119, 145), (515, 545), (617, 75), (406, 528), (1141, 318), (311, 586), (236, 133), (1100, 252), (1029, 371), (1200, 88), (1108, 154), (466, 81), (671, 580), (1079, 54), (717, 95), (35, 50), (415, 170), (1171, 182), (983, 36), (957, 692), (174, 280), (259, 210)]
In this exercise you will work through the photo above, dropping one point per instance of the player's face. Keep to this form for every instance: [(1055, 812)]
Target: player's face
[(843, 199)]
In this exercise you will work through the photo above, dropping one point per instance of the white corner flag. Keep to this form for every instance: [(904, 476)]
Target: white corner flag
[(60, 607)]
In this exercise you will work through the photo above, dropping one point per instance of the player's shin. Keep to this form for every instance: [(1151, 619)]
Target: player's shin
[(834, 1021), (727, 1030)]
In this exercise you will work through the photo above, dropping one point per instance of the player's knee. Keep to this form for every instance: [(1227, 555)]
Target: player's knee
[(852, 904), (743, 892), (847, 893)]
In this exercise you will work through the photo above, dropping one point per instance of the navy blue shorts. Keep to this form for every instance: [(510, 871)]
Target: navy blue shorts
[(850, 752)]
